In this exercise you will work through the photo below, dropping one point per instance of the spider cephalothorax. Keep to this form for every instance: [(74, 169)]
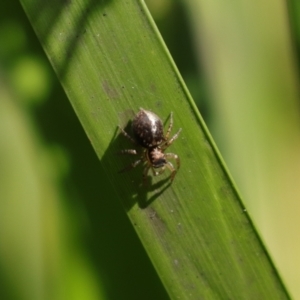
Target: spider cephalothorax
[(148, 132)]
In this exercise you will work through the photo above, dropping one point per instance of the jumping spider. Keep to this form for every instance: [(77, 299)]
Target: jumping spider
[(148, 132)]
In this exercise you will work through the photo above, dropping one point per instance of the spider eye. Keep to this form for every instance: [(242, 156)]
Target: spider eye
[(160, 162)]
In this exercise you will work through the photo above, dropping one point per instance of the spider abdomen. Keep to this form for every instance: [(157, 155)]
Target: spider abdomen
[(147, 129)]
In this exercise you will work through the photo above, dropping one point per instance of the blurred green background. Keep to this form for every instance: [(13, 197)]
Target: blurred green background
[(58, 240)]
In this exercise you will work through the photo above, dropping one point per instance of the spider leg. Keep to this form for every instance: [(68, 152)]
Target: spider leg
[(175, 157), (170, 126), (131, 166), (127, 135), (172, 169), (169, 166), (156, 173), (170, 141), (128, 151)]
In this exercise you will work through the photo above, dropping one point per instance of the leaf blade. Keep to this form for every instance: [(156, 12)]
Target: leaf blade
[(196, 231)]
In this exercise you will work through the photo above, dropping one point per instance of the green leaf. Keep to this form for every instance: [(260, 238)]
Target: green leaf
[(111, 60)]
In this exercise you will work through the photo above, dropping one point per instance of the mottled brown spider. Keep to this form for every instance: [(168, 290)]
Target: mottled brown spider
[(147, 129)]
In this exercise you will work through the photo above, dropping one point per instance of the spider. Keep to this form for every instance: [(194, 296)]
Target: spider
[(148, 132)]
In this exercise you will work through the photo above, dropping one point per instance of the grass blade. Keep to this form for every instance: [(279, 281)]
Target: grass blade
[(111, 60)]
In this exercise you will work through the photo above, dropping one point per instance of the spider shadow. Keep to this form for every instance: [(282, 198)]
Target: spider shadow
[(129, 183), (158, 188)]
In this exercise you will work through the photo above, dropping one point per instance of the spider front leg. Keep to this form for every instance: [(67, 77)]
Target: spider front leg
[(155, 173), (172, 169), (170, 166), (175, 157)]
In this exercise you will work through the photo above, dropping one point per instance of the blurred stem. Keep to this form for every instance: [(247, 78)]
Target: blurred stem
[(252, 73)]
